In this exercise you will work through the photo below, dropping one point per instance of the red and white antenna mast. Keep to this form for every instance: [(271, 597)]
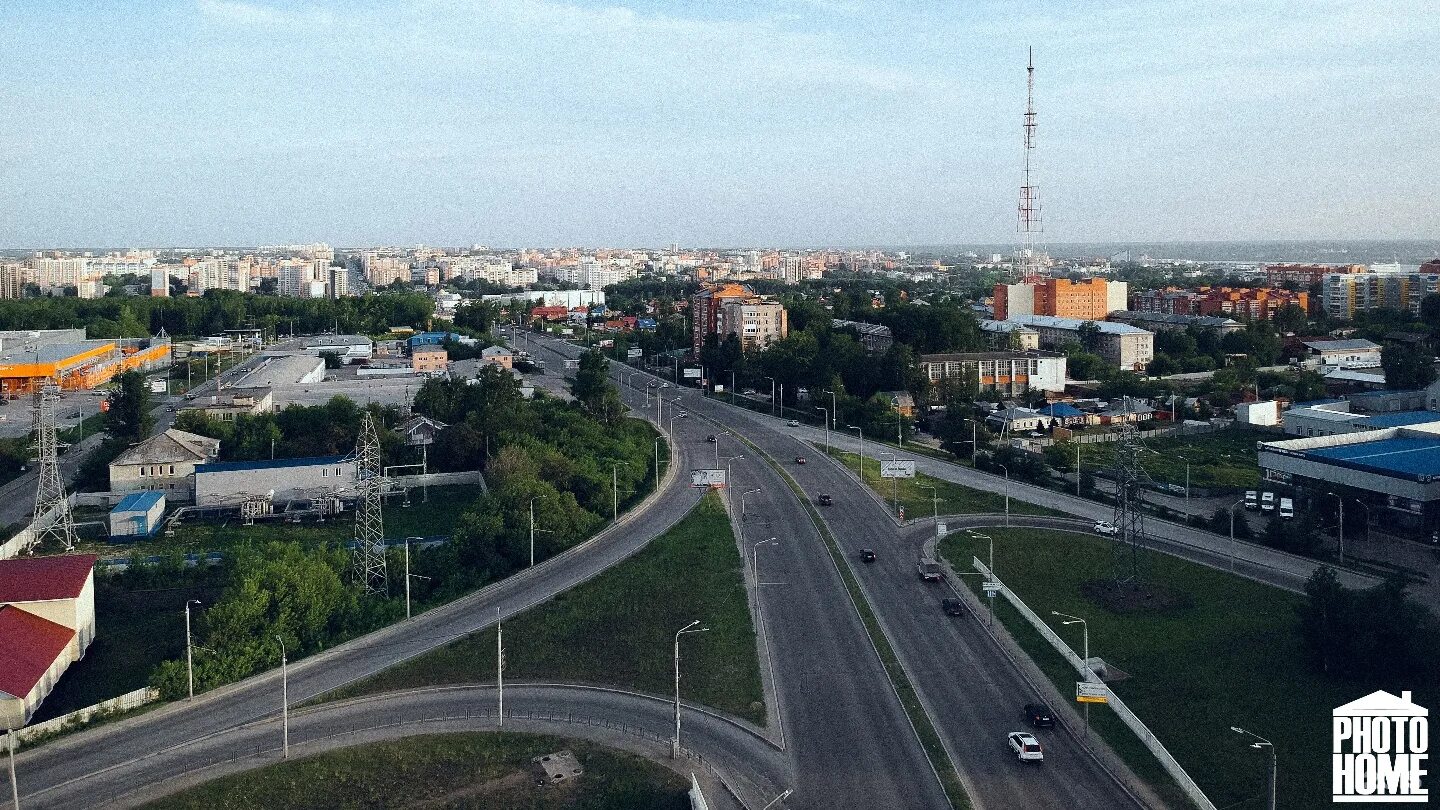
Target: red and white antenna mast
[(1029, 211)]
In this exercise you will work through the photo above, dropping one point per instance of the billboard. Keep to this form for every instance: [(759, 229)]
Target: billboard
[(634, 354), (896, 468), (572, 364), (157, 386), (691, 373), (707, 479)]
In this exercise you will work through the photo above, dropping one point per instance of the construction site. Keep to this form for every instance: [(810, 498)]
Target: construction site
[(66, 359)]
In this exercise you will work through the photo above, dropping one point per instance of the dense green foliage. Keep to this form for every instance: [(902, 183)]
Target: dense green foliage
[(1374, 633), (299, 431), (217, 310)]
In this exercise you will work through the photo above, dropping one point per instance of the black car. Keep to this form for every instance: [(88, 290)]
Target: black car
[(710, 438), (952, 607), (867, 555), (826, 500), (1039, 716)]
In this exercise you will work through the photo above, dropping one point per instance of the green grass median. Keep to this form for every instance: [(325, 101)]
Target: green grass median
[(1209, 651), (617, 629), (954, 499), (445, 770)]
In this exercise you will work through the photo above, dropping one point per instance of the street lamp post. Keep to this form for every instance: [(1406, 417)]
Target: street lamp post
[(189, 657), (717, 445), (755, 562), (1340, 525), (1262, 743), (615, 488), (532, 519), (1088, 673), (14, 785), (657, 463), (862, 449), (689, 628), (934, 502), (729, 459), (284, 702), (499, 670), (834, 412), (1240, 502), (990, 595), (772, 394), (742, 496), (827, 427), (894, 485), (1007, 492)]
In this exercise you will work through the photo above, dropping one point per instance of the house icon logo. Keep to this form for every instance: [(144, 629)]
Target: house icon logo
[(1380, 749)]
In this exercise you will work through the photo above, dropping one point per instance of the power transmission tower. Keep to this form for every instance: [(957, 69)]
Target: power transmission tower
[(52, 517), (369, 557), (1129, 520)]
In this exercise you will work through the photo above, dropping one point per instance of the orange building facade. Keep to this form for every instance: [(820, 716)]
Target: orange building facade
[(1088, 300)]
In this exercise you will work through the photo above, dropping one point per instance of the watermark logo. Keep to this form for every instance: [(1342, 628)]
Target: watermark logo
[(1380, 749)]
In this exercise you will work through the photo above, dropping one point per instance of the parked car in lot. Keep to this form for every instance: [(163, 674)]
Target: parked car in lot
[(1252, 499), (1267, 502), (1106, 528), (792, 423), (1039, 716), (1287, 508), (1025, 747), (929, 571), (867, 555), (825, 499), (952, 607)]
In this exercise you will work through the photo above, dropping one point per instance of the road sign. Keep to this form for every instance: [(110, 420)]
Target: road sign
[(690, 373), (572, 364), (707, 479), (1087, 692), (991, 587), (634, 353), (940, 529), (895, 468), (902, 514)]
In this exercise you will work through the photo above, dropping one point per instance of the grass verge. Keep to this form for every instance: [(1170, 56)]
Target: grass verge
[(445, 770), (954, 499), (617, 629), (1223, 459), (1225, 652)]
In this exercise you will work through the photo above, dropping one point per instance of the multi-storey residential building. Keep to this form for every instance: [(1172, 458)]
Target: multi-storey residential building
[(160, 281), (1124, 346), (12, 281), (62, 272), (723, 309), (791, 269), (1008, 373), (1091, 299), (1254, 304), (1345, 294), (220, 274), (875, 338), (1305, 275)]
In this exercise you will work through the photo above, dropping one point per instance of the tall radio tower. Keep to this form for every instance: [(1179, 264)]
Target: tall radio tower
[(52, 517), (369, 556), (1029, 211)]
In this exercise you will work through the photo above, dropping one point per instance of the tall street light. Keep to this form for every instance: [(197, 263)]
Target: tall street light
[(729, 459), (1240, 502), (1340, 525), (772, 394), (284, 702), (689, 628), (894, 483), (827, 427), (742, 496), (1262, 743), (189, 657), (935, 502), (990, 595), (862, 449), (615, 488), (834, 411), (717, 445), (1085, 627), (1007, 492), (755, 561), (532, 525), (657, 462)]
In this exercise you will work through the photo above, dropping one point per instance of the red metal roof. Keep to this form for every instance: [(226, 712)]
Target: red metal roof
[(33, 579), (28, 646)]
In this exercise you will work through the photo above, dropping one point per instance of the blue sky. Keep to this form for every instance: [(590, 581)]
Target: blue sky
[(792, 122)]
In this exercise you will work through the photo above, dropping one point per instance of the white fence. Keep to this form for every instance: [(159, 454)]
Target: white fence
[(124, 703), (1115, 435), (25, 538), (1147, 738), (439, 479)]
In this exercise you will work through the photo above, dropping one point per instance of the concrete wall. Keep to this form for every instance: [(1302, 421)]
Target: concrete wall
[(224, 487)]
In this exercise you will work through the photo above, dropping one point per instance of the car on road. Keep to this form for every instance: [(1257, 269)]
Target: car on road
[(867, 555), (1039, 716), (952, 607), (929, 571), (799, 459), (1106, 528), (793, 423), (684, 414), (170, 408), (826, 499), (1025, 747), (711, 438)]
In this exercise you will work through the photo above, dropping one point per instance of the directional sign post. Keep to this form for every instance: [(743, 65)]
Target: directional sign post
[(1087, 692), (897, 468)]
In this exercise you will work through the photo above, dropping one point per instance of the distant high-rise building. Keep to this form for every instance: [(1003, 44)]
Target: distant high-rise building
[(1089, 300), (727, 309), (1345, 294), (1304, 275), (159, 281), (12, 281)]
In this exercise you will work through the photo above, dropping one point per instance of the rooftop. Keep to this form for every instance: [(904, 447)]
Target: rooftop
[(1402, 419), (1352, 345), (29, 646), (138, 502), (270, 464), (1408, 456), (170, 447), (1052, 322), (38, 579), (956, 357)]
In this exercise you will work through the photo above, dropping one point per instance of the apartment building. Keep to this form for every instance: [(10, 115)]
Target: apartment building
[(1345, 294), (725, 309), (1124, 346), (1247, 303), (1008, 373), (1305, 275), (1090, 299)]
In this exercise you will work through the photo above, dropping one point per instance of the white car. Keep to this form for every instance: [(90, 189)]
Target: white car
[(793, 423), (1106, 528), (1026, 747)]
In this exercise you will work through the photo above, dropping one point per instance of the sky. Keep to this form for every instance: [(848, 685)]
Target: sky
[(156, 123)]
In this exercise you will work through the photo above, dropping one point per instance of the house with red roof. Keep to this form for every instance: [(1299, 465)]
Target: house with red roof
[(47, 621)]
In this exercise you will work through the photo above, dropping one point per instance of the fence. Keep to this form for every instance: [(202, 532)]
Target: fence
[(23, 539), (1128, 717), (65, 722), (1113, 436), (440, 479)]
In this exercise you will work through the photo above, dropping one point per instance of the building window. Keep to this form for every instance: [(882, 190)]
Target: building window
[(325, 472), (172, 469)]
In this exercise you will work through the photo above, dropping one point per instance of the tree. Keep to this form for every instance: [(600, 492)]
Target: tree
[(593, 389), (1406, 369), (1085, 366), (1089, 336), (129, 416), (332, 359), (1292, 317)]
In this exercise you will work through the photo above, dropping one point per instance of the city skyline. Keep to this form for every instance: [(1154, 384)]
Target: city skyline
[(221, 122)]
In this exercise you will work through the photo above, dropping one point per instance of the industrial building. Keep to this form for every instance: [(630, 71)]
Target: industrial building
[(138, 514), (64, 357), (47, 621), (279, 480), (1119, 344), (1008, 373), (284, 369), (349, 348), (164, 463), (1394, 471)]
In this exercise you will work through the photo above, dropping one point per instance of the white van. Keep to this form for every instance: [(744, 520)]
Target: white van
[(1287, 508), (1252, 499), (1267, 502)]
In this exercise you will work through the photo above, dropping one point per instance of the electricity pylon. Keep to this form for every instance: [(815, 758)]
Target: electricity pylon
[(369, 556), (52, 517)]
